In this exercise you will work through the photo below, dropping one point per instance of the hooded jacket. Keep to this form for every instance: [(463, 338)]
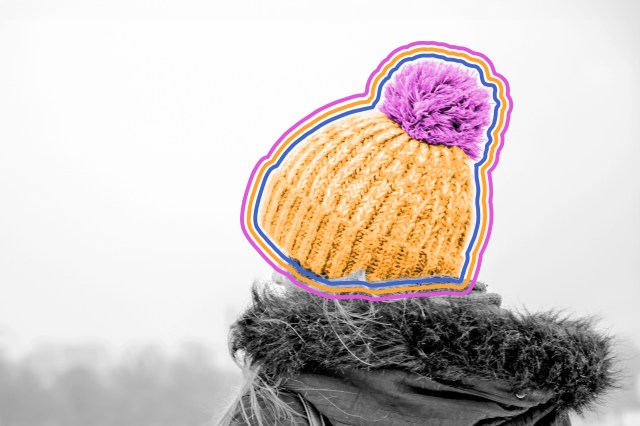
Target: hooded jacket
[(444, 361)]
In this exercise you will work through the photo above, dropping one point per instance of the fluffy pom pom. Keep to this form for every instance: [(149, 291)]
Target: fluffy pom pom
[(439, 103)]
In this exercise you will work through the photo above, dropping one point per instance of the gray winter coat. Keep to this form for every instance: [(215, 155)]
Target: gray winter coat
[(428, 361)]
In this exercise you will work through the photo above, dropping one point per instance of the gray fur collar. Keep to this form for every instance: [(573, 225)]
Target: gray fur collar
[(287, 333)]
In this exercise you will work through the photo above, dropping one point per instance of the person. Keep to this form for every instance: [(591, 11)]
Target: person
[(387, 195)]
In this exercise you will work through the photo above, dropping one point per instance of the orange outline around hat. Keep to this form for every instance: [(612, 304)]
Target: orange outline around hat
[(480, 238)]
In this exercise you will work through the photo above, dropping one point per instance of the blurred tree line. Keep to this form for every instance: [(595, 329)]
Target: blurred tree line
[(87, 386), (81, 386)]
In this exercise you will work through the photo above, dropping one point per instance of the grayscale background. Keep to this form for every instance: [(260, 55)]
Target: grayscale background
[(128, 129)]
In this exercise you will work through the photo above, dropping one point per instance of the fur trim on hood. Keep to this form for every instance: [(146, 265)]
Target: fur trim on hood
[(287, 333)]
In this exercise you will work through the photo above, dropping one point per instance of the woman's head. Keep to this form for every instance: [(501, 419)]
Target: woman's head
[(388, 189)]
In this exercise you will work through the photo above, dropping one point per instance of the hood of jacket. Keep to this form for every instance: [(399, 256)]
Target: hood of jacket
[(396, 358)]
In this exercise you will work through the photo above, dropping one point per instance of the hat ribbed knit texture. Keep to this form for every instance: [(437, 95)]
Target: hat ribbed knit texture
[(361, 193)]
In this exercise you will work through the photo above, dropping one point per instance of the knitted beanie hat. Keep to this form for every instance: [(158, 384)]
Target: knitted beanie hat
[(387, 191)]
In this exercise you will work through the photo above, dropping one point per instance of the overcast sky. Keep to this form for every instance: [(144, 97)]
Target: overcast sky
[(128, 131)]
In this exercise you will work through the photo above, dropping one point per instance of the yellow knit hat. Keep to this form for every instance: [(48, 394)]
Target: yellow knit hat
[(389, 192)]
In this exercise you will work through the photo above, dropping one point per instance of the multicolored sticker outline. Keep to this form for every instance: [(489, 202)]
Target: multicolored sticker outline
[(482, 169)]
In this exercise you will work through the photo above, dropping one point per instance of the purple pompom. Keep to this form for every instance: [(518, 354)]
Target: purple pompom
[(439, 103)]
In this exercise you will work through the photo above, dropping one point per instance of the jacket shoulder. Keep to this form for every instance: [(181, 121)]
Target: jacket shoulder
[(290, 409)]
